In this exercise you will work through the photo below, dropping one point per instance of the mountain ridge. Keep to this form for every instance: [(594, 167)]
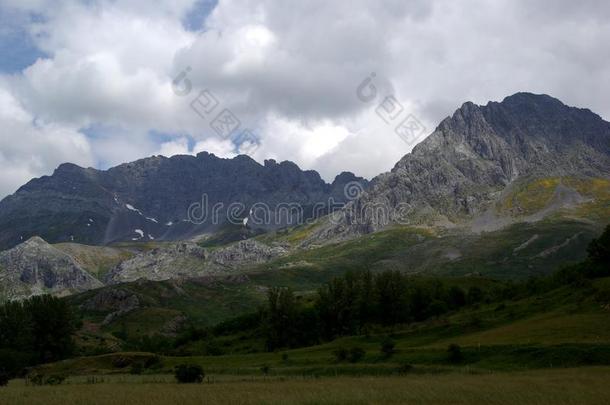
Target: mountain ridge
[(484, 168), (151, 198)]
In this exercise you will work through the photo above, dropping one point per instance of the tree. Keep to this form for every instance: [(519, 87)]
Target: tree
[(475, 295), (390, 296), (456, 297), (36, 330), (599, 254), (52, 327), (281, 318)]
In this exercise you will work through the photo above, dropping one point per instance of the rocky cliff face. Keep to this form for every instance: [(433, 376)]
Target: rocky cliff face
[(461, 170), (162, 199), (35, 267), (188, 260)]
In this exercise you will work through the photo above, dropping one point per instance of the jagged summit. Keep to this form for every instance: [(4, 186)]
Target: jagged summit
[(460, 170), (149, 199)]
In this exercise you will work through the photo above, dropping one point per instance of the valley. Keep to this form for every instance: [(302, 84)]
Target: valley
[(482, 256)]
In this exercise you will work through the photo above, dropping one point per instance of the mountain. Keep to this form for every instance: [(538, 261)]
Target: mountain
[(511, 189), (35, 267), (162, 198), (470, 170)]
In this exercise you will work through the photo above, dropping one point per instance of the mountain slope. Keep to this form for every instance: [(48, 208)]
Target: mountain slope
[(462, 170), (161, 199)]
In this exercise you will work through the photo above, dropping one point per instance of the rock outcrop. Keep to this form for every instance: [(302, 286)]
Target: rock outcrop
[(189, 260), (35, 267)]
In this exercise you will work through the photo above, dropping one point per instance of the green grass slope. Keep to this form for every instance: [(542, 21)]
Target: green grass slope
[(565, 327)]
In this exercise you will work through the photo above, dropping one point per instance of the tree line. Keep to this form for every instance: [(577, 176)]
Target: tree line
[(350, 304), (33, 331)]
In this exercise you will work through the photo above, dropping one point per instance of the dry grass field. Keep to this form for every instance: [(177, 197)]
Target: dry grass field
[(552, 387)]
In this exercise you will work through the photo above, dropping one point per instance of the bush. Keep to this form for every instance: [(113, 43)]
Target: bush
[(13, 363), (475, 295), (265, 369), (136, 369), (189, 373), (474, 321), (437, 308), (41, 379), (54, 380), (121, 362), (340, 354), (387, 347), (457, 297), (455, 353), (405, 368), (356, 354), (4, 378), (153, 362)]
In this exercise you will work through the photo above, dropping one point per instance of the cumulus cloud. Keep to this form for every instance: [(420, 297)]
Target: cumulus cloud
[(288, 71), (30, 147)]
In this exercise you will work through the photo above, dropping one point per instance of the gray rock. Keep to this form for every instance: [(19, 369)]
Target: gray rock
[(189, 260), (150, 199), (459, 172), (35, 267)]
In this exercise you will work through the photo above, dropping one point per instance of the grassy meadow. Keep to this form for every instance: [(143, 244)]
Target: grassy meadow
[(552, 387), (530, 338)]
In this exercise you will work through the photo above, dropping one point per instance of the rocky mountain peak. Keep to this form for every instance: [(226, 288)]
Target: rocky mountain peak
[(459, 171), (35, 242)]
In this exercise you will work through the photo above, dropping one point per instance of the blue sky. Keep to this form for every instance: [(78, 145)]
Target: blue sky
[(17, 51)]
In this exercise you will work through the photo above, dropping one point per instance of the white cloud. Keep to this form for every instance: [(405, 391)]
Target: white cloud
[(220, 147), (30, 147), (178, 146), (289, 71)]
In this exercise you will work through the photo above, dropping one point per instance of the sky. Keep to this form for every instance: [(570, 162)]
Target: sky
[(325, 84)]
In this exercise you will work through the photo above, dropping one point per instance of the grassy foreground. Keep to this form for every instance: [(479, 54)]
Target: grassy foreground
[(559, 386)]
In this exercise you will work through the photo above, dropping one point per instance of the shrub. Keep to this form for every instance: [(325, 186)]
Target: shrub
[(455, 353), (4, 378), (189, 373), (405, 368), (475, 295), (265, 369), (437, 308), (387, 347), (41, 379), (121, 362), (474, 321), (284, 357), (457, 297), (340, 354), (153, 362), (13, 363), (136, 369), (54, 380), (356, 354)]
